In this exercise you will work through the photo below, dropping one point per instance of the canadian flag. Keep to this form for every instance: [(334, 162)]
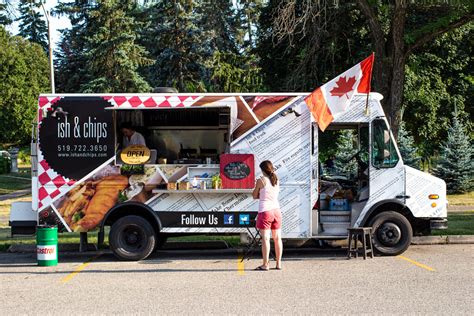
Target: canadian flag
[(333, 98)]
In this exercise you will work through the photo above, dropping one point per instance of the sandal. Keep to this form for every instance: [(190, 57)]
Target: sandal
[(261, 268)]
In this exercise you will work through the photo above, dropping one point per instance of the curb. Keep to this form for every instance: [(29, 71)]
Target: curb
[(191, 245), (15, 194), (222, 246), (443, 240)]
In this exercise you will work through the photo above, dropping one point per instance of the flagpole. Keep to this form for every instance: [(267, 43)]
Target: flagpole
[(370, 86)]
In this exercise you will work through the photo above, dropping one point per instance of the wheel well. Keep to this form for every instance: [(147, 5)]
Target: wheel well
[(419, 226), (136, 209)]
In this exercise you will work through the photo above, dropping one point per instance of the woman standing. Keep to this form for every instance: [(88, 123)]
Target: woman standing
[(269, 214)]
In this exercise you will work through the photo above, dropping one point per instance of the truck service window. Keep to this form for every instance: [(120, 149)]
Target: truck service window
[(180, 136)]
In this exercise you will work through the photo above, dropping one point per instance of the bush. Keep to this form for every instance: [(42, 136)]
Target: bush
[(5, 164), (24, 155)]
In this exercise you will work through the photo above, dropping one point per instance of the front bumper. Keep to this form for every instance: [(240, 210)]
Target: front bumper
[(439, 224)]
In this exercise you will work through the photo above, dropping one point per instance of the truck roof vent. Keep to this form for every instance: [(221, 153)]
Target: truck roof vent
[(165, 90)]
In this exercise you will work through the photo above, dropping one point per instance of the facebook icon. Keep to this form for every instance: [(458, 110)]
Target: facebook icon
[(228, 219)]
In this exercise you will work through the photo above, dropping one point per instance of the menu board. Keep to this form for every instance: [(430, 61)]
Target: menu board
[(237, 171)]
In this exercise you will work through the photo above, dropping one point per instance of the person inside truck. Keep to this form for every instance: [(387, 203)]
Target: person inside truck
[(130, 136)]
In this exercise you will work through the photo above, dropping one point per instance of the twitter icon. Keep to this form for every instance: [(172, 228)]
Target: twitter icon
[(244, 219)]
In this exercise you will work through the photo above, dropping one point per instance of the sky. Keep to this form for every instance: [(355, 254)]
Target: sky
[(56, 23)]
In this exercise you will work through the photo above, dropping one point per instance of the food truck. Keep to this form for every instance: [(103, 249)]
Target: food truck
[(196, 171)]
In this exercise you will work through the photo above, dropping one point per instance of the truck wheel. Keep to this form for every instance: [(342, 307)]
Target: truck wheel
[(392, 233), (132, 238)]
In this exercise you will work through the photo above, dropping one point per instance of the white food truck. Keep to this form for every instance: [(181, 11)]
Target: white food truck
[(196, 171)]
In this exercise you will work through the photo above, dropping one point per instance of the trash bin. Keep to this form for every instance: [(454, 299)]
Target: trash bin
[(47, 245)]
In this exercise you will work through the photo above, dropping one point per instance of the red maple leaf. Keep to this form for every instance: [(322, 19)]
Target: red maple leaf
[(343, 86)]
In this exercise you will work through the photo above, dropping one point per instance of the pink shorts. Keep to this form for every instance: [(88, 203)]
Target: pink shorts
[(269, 219)]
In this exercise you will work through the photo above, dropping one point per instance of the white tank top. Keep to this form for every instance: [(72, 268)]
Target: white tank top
[(268, 196)]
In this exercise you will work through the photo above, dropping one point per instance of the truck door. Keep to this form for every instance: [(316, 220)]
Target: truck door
[(387, 176)]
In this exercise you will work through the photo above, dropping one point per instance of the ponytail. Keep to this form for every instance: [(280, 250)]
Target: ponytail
[(268, 170)]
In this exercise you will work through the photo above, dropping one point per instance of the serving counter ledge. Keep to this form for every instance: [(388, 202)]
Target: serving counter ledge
[(244, 191)]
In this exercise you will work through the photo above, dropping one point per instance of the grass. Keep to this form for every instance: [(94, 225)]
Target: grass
[(458, 224), (5, 209), (63, 238), (15, 181), (461, 199)]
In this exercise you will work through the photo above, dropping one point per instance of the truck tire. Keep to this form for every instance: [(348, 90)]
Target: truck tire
[(392, 233), (132, 238)]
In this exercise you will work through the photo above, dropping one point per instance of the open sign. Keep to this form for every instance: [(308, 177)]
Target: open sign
[(135, 155)]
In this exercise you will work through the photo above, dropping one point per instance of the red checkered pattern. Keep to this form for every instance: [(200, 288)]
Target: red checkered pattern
[(44, 104), (175, 101), (50, 183)]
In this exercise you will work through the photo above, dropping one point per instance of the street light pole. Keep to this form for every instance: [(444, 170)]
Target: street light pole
[(51, 67)]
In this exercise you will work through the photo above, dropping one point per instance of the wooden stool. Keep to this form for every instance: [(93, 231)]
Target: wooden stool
[(365, 233)]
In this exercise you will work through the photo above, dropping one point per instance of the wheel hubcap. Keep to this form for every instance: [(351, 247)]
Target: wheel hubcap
[(389, 233), (132, 238)]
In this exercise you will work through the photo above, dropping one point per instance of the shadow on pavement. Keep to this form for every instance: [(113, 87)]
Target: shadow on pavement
[(10, 260)]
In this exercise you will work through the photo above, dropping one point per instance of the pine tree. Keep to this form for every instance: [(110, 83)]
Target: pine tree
[(345, 151), (406, 144), (70, 60), (179, 46), (249, 14), (218, 19), (455, 165), (32, 24), (6, 13), (113, 54)]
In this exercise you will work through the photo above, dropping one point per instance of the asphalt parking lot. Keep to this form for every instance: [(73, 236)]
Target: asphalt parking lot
[(436, 279)]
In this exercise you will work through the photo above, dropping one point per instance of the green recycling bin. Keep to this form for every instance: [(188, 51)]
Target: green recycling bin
[(47, 245)]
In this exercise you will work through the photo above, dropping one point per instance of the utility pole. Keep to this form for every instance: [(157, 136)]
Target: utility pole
[(51, 67)]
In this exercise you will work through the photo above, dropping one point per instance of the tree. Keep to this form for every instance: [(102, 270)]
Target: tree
[(233, 72), (437, 80), (248, 14), (71, 61), (32, 24), (6, 12), (113, 54), (219, 21), (24, 74), (455, 165), (179, 46), (409, 30), (300, 55), (396, 31), (407, 147), (345, 151)]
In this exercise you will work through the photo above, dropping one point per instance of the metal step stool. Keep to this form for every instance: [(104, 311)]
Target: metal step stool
[(365, 234)]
